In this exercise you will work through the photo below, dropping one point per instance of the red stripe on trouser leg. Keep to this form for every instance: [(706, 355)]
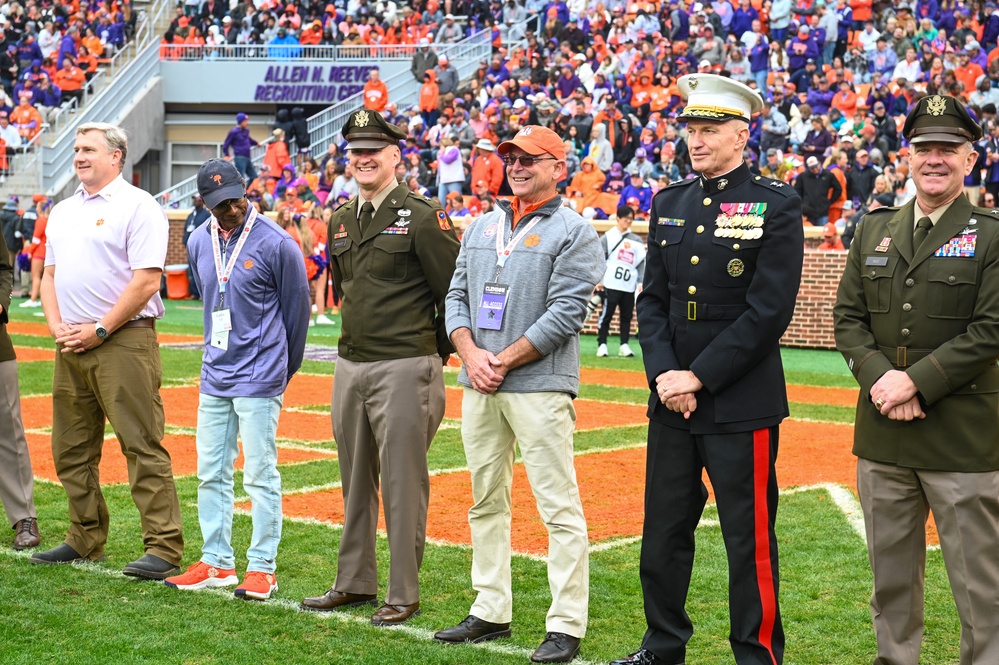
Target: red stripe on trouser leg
[(761, 518)]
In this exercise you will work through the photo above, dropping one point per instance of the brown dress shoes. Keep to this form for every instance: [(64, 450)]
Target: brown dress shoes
[(335, 600), (27, 535), (393, 615)]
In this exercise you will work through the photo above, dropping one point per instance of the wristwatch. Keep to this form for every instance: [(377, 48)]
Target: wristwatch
[(102, 332)]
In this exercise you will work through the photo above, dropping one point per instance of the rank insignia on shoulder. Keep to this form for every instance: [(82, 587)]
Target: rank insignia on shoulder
[(670, 221), (883, 247), (775, 183)]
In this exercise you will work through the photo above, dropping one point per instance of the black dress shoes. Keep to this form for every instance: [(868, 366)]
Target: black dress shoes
[(557, 648), (61, 553), (641, 657), (474, 630), (335, 600), (151, 567), (27, 535)]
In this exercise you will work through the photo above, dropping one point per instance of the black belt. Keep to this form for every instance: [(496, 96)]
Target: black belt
[(147, 322), (699, 311)]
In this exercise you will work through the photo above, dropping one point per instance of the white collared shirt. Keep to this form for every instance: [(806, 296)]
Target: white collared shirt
[(97, 241)]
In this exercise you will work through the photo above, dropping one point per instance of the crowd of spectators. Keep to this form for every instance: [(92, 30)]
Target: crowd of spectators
[(837, 79), (49, 51)]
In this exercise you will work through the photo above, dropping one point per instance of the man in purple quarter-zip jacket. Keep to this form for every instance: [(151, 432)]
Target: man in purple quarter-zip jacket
[(257, 305)]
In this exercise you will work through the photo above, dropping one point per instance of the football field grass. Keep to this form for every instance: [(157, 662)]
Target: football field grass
[(93, 614)]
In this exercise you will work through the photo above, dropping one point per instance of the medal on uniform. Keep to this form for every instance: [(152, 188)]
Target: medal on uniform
[(492, 306), (735, 267)]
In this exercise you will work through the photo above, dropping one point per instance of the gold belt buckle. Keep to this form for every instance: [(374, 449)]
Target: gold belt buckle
[(691, 310), (901, 358)]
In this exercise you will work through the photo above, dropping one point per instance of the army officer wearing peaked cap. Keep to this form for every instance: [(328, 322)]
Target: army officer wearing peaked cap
[(917, 319), (392, 255), (721, 278)]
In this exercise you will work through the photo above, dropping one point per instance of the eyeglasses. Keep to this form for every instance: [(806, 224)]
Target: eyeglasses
[(527, 161)]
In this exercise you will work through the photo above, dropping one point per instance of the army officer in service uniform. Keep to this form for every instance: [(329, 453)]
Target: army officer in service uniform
[(917, 319), (721, 279), (392, 254)]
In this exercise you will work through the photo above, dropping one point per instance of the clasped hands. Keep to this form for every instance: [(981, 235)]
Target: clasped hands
[(485, 371), (76, 339), (676, 390), (894, 395)]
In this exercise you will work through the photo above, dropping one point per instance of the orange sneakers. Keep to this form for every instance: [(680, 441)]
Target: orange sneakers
[(257, 586), (202, 576)]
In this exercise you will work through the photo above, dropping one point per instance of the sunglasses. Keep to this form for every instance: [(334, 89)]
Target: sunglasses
[(527, 161)]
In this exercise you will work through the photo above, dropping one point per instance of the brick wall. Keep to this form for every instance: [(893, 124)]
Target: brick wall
[(812, 325), (176, 253)]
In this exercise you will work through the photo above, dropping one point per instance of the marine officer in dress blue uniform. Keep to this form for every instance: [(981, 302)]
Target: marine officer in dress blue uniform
[(721, 279)]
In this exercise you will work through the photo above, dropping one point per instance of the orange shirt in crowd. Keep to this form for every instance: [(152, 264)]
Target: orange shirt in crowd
[(88, 63), (846, 102), (93, 45), (429, 92), (24, 114), (968, 75), (313, 35), (70, 79), (375, 95), (489, 167)]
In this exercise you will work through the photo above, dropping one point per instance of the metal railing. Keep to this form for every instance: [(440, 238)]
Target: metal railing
[(23, 174), (129, 72), (324, 127), (243, 52), (48, 162)]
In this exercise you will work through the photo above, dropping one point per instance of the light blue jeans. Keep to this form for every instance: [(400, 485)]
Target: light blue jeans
[(220, 421)]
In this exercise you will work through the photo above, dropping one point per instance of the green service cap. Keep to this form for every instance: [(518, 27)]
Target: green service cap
[(368, 129), (940, 118)]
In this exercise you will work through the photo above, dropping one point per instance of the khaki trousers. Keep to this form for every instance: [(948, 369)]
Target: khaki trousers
[(16, 479), (385, 415), (119, 381), (542, 424), (966, 508)]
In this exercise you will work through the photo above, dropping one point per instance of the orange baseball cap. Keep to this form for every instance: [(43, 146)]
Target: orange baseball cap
[(535, 140)]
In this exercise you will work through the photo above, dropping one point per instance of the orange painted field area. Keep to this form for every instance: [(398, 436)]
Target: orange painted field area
[(42, 330), (611, 483), (30, 354), (182, 451)]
